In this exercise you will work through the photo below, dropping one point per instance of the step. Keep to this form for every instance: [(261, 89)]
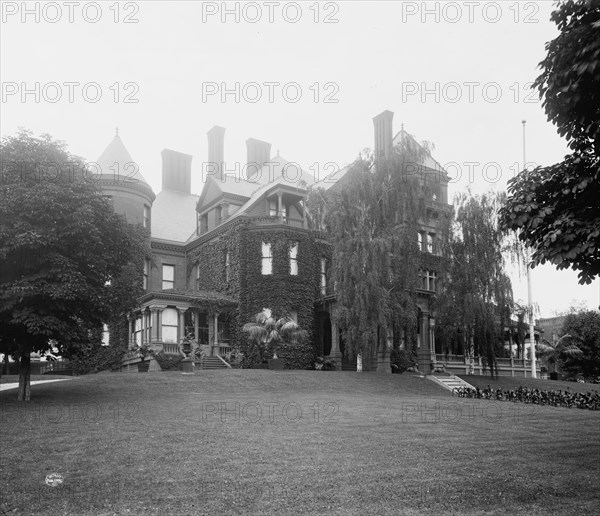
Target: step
[(212, 363), (449, 382)]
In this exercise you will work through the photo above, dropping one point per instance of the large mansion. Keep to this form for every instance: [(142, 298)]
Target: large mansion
[(244, 244)]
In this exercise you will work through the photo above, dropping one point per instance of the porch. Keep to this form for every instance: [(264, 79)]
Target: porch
[(172, 322), (459, 364)]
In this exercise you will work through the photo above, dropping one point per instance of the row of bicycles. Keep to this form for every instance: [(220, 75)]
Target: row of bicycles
[(588, 400)]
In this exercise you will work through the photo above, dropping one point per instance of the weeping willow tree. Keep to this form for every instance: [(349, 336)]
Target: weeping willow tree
[(373, 220), (477, 301)]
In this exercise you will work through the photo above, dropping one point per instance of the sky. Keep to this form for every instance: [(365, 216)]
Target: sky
[(308, 77)]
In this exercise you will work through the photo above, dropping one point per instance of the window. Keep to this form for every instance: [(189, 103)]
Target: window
[(428, 280), (218, 214), (146, 216), (294, 259), (430, 239), (224, 335), (168, 276), (323, 276), (146, 273), (105, 335), (273, 208), (267, 259), (420, 241), (204, 223), (227, 267), (197, 276), (137, 331), (169, 325), (202, 328)]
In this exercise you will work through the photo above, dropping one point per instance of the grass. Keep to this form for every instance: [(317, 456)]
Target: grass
[(290, 442)]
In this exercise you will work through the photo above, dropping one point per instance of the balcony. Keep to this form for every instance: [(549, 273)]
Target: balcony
[(274, 220)]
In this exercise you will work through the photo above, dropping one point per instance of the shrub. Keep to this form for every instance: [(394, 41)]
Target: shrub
[(402, 359), (169, 362), (98, 358)]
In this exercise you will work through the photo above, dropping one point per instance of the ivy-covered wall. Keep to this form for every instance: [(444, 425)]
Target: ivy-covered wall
[(280, 291)]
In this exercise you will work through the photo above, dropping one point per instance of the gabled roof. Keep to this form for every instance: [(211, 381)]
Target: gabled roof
[(116, 152), (429, 161), (276, 171), (173, 216), (290, 171)]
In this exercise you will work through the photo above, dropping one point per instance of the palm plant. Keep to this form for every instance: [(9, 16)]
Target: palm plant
[(268, 332), (552, 351)]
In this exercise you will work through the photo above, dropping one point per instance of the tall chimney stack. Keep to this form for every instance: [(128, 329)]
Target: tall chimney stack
[(216, 150), (176, 171), (258, 153), (383, 135)]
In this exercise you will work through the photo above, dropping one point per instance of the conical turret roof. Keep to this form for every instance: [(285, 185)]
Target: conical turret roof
[(125, 170)]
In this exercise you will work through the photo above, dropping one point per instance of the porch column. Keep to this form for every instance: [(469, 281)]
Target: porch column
[(304, 219), (130, 339), (424, 352), (335, 353), (216, 326), (196, 327), (159, 312), (180, 322), (144, 327), (383, 356), (279, 206)]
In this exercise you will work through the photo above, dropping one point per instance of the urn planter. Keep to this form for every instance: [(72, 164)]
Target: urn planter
[(187, 365), (143, 366)]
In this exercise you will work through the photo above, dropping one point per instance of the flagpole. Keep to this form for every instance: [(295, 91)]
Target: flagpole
[(529, 300)]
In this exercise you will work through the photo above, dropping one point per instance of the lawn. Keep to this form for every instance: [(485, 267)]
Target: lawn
[(290, 442)]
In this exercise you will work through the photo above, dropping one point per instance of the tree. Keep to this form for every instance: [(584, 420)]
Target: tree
[(584, 328), (372, 222), (552, 352), (267, 333), (556, 208), (68, 263), (476, 303)]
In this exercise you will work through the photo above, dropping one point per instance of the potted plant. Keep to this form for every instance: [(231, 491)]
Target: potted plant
[(144, 351), (268, 332)]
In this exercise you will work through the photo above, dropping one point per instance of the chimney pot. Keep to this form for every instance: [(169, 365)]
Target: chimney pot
[(383, 134), (176, 171), (258, 153), (216, 150)]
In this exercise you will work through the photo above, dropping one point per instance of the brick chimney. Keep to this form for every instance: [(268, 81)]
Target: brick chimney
[(216, 150), (383, 134), (258, 153), (176, 171)]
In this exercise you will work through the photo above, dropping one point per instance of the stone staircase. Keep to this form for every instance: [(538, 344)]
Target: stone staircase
[(210, 363), (449, 382)]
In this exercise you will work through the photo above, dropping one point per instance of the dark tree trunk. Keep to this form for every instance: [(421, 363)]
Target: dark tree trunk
[(23, 394)]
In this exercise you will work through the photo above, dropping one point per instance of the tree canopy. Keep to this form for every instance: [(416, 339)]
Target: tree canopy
[(476, 303), (584, 330), (68, 262), (372, 221), (556, 208)]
